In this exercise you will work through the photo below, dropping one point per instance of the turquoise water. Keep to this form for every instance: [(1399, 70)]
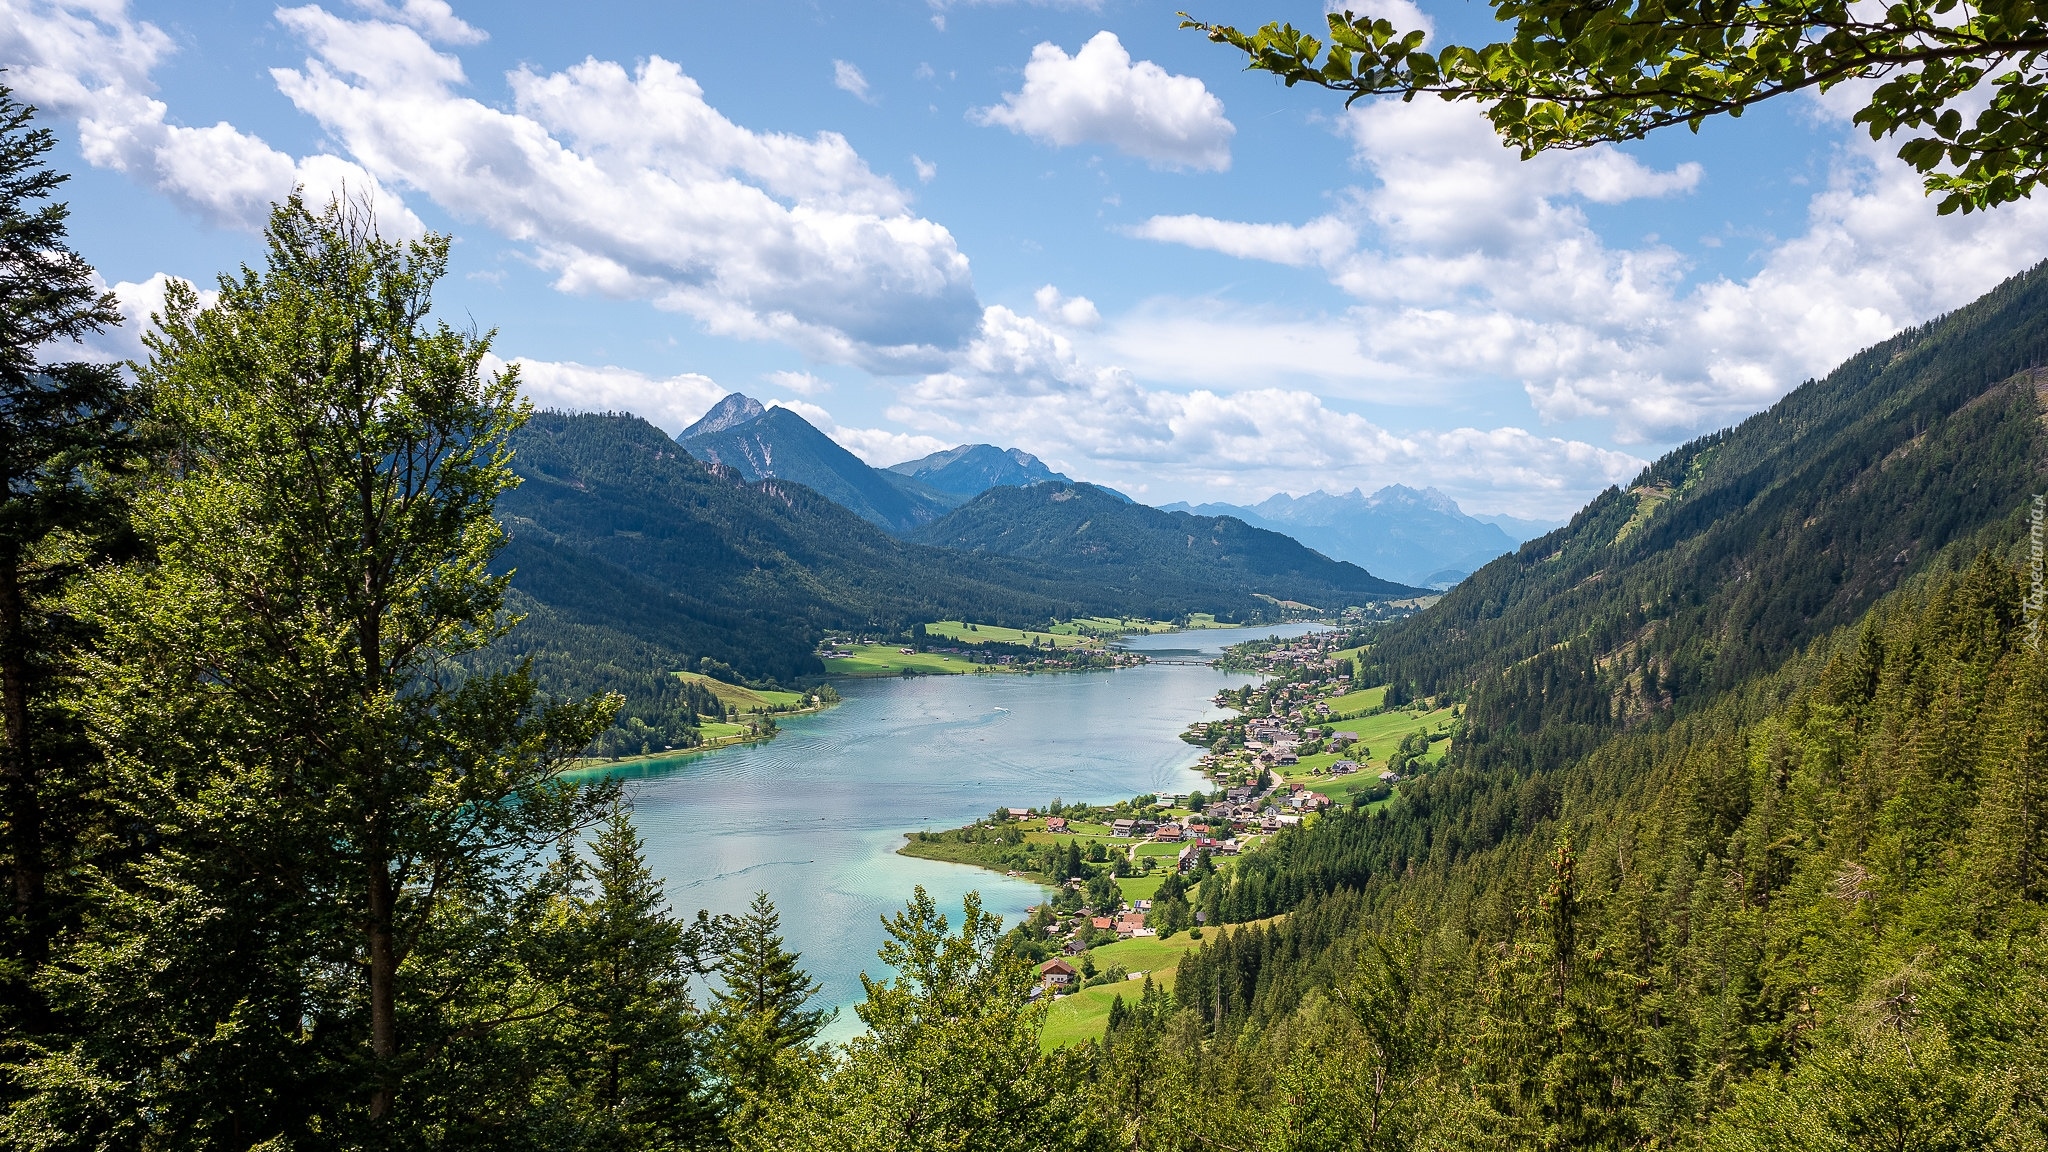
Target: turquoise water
[(814, 816)]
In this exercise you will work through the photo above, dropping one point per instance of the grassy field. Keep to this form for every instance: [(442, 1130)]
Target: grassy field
[(1356, 703), (743, 699), (1383, 734), (1083, 1016), (973, 633), (1136, 888), (888, 660)]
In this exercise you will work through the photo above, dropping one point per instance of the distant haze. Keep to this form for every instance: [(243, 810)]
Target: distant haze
[(1415, 536)]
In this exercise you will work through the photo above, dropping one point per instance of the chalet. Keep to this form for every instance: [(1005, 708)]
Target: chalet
[(1143, 827), (1056, 824), (1242, 793), (1122, 827), (1167, 832), (1020, 813), (1102, 923), (1285, 757), (1294, 785), (1388, 777), (1343, 767), (1131, 924), (1056, 974)]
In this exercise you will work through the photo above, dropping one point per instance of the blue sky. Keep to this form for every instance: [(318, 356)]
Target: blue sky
[(1068, 227)]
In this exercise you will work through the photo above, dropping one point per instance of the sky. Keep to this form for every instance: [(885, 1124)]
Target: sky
[(1068, 227)]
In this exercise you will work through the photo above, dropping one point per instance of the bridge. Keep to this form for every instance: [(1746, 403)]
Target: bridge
[(1179, 663)]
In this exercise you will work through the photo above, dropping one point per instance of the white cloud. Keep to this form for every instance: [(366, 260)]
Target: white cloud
[(1069, 311), (877, 447), (90, 61), (1099, 96), (801, 383), (1024, 383), (672, 403), (848, 78), (1469, 266), (634, 186), (1318, 240), (434, 18), (926, 170)]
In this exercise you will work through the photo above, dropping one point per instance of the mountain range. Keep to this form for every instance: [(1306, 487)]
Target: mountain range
[(1092, 532), (778, 444), (1417, 537), (971, 469)]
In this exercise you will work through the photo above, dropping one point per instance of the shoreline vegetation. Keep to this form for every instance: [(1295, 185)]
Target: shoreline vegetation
[(1131, 886), (747, 714)]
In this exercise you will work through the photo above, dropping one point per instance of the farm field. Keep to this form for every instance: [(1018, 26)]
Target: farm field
[(1083, 1016), (1356, 703), (1059, 635), (888, 660), (746, 699)]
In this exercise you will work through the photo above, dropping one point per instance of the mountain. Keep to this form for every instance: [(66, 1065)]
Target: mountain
[(1747, 791), (731, 411), (1518, 529), (1081, 528), (1419, 537), (778, 444), (1729, 555), (971, 469)]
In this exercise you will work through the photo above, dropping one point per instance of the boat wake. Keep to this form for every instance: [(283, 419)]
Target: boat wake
[(744, 871)]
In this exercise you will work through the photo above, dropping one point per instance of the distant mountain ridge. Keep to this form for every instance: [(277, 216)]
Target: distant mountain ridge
[(1080, 528), (971, 469), (1415, 536), (777, 444)]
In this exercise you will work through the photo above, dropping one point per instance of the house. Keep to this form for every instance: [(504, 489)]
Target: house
[(1020, 813), (1143, 827), (1343, 767), (908, 651), (1227, 848), (1056, 974), (1102, 923), (1131, 924), (1389, 777), (1122, 827), (1168, 832), (1056, 824), (1294, 785), (1238, 794), (1286, 758)]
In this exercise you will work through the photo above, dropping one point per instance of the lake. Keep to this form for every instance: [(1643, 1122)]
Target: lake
[(814, 816)]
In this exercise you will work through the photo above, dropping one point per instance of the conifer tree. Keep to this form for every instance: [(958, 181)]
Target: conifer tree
[(762, 1031), (333, 832), (64, 430), (630, 1070)]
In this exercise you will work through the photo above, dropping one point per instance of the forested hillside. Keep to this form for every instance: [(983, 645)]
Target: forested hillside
[(1742, 841), (1087, 530), (778, 444), (1730, 554)]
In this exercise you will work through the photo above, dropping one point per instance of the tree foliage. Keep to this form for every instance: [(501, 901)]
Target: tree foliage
[(1965, 82)]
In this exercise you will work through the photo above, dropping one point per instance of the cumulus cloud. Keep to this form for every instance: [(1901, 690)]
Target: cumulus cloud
[(848, 79), (1099, 96), (1297, 244), (434, 19), (1470, 265), (672, 403), (878, 447), (925, 169), (632, 185), (801, 383), (90, 61), (1070, 311), (1023, 382)]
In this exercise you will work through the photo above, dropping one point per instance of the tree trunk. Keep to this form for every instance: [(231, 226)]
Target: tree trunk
[(383, 988), (17, 764)]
